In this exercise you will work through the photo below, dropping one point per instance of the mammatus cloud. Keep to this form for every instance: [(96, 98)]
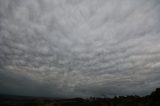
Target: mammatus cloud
[(69, 48)]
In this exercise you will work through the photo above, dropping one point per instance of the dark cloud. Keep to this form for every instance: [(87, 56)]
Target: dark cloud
[(67, 48)]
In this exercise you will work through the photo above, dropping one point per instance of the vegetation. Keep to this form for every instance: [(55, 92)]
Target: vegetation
[(151, 100)]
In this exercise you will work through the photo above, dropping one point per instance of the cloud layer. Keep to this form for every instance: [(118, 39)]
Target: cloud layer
[(69, 48)]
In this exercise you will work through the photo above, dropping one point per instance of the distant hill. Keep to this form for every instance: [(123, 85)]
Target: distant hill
[(150, 100), (22, 98)]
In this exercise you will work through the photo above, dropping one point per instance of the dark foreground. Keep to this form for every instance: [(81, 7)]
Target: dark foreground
[(151, 100)]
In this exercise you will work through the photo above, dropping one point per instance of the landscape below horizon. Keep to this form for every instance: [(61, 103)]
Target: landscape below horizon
[(132, 100)]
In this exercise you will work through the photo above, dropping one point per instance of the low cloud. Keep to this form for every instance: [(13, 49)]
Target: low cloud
[(70, 48)]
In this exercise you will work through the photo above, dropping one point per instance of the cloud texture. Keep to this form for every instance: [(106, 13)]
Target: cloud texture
[(69, 48)]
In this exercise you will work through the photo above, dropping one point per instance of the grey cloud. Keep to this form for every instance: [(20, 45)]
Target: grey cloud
[(71, 48)]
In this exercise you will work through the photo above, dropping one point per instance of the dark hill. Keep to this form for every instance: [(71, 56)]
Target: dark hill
[(150, 100)]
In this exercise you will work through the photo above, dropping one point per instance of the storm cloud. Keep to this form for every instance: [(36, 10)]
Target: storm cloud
[(71, 48)]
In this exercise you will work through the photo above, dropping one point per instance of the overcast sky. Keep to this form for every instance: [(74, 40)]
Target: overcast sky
[(79, 48)]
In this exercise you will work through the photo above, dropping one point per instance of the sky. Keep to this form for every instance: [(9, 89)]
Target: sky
[(79, 48)]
